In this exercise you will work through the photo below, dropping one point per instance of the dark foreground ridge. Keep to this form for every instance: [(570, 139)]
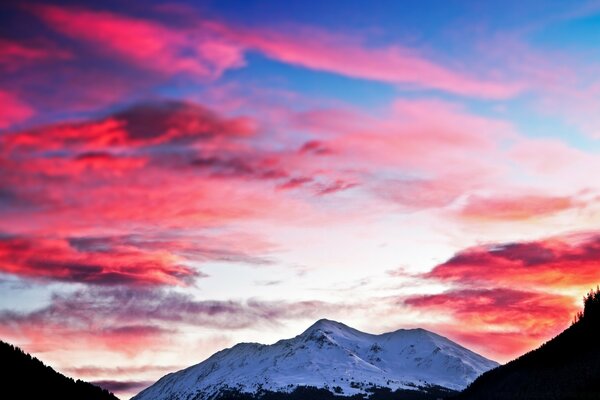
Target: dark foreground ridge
[(565, 368), (26, 377)]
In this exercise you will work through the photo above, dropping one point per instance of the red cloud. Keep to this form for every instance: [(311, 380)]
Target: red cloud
[(515, 208), (137, 170), (502, 322), (140, 125), (148, 44), (513, 292), (12, 110), (170, 164), (562, 262), (104, 161), (58, 259)]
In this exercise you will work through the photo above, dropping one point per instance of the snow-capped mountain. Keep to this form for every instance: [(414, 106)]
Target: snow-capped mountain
[(328, 355)]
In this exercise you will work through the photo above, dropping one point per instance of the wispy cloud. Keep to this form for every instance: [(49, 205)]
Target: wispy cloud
[(129, 320)]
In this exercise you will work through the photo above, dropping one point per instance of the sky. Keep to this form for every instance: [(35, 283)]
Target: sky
[(176, 178)]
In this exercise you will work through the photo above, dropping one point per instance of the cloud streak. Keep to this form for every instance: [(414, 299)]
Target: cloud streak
[(58, 259), (213, 47), (558, 262), (146, 43), (130, 320), (324, 51), (516, 208)]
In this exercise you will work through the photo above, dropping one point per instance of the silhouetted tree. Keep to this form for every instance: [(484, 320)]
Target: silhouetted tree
[(26, 377)]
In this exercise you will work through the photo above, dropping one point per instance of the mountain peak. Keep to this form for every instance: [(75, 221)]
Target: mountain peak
[(327, 325), (328, 355)]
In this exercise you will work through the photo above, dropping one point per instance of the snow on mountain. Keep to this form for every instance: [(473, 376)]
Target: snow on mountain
[(327, 355)]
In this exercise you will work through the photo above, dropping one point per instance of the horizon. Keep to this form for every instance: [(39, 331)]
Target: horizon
[(179, 177)]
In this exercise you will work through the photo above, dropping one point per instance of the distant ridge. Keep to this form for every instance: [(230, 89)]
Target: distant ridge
[(565, 368), (327, 359), (26, 377)]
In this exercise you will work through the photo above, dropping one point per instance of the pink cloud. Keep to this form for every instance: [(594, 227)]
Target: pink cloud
[(324, 51), (15, 55), (148, 44), (561, 262), (516, 208), (517, 320), (427, 162), (410, 137), (148, 124), (173, 170), (216, 47), (58, 259), (520, 293), (555, 158), (13, 110)]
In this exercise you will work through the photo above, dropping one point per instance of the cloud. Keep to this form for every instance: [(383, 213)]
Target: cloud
[(506, 298), (239, 167), (324, 51), (142, 124), (146, 43), (315, 147), (15, 54), (420, 193), (336, 186), (116, 317), (501, 322), (571, 261), (122, 386), (211, 47), (91, 370), (57, 259), (404, 156), (406, 136), (105, 170), (130, 260), (516, 208), (13, 110)]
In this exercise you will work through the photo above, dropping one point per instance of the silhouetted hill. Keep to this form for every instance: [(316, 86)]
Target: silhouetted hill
[(566, 367), (26, 377)]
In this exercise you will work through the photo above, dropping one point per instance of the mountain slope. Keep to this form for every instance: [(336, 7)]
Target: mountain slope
[(328, 355), (566, 367), (31, 379)]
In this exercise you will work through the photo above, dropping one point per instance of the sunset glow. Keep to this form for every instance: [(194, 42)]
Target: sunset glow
[(178, 177)]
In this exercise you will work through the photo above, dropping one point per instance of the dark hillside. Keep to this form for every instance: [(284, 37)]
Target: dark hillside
[(26, 377), (566, 367)]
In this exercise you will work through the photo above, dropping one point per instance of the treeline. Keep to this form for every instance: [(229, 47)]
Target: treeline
[(26, 377), (313, 393)]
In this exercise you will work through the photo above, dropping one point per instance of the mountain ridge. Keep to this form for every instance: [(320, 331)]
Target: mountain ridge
[(328, 355)]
